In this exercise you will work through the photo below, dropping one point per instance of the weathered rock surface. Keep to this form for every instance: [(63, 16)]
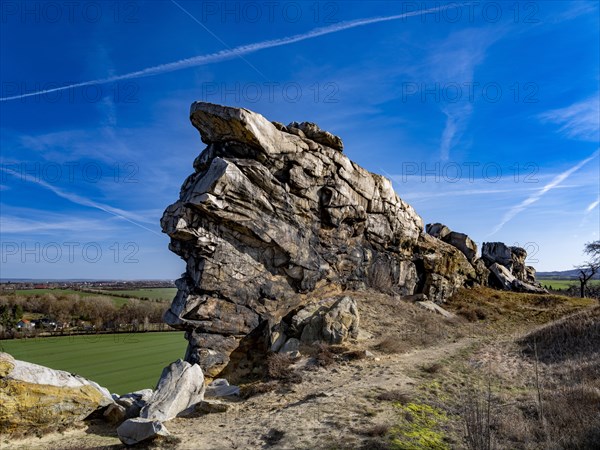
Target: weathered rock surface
[(332, 325), (115, 413), (273, 213), (134, 431), (180, 387), (459, 240), (34, 396), (133, 402), (211, 407), (435, 308), (508, 269), (221, 388)]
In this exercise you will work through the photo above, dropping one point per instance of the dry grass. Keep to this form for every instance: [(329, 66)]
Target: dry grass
[(256, 388), (574, 336), (551, 398), (510, 308), (392, 345), (377, 430), (279, 368), (396, 396)]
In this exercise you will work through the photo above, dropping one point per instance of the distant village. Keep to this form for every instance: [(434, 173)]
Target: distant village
[(83, 285)]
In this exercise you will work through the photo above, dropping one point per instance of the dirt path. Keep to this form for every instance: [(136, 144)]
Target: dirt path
[(320, 412)]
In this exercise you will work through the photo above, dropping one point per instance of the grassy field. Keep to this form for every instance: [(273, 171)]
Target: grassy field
[(120, 362), (151, 293), (166, 294), (564, 284), (118, 301)]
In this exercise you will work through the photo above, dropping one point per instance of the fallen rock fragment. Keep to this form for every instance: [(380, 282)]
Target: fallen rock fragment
[(180, 387), (134, 431)]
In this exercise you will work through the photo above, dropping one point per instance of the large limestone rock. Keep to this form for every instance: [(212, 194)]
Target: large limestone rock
[(34, 396), (180, 387), (273, 213)]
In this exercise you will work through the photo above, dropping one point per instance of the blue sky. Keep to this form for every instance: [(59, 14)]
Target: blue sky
[(485, 116)]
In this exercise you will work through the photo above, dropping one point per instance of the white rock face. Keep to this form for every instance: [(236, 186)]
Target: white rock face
[(34, 395), (134, 431), (36, 374), (180, 387)]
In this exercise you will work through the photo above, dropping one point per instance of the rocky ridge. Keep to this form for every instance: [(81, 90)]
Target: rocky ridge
[(273, 214)]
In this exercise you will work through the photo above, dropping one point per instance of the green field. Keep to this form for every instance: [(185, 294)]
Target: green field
[(151, 293), (564, 284), (118, 301), (120, 362)]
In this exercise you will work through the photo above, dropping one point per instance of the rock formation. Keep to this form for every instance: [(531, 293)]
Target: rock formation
[(36, 396), (273, 213), (508, 269)]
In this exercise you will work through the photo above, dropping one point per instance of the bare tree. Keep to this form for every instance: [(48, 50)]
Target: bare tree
[(591, 267)]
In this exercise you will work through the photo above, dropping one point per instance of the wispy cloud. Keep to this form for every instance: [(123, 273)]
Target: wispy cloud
[(580, 120), (19, 225), (236, 52), (540, 193), (592, 205), (132, 218), (453, 62)]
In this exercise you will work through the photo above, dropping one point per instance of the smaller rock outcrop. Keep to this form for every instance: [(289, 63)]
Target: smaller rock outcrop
[(508, 269), (34, 396), (332, 320), (180, 387), (459, 240), (134, 431)]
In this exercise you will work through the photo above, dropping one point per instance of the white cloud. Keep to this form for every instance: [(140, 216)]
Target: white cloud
[(540, 193), (580, 120), (128, 216)]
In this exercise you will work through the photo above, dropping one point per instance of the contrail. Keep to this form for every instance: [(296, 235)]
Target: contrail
[(236, 51), (539, 194), (74, 198), (592, 205)]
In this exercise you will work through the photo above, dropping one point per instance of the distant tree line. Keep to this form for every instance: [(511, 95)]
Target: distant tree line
[(72, 311)]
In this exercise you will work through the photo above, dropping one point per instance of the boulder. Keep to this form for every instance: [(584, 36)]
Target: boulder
[(437, 230), (444, 269), (313, 132), (462, 242), (134, 431), (221, 388), (115, 413), (133, 402), (341, 321), (510, 261), (180, 387), (497, 252), (459, 240), (503, 277), (211, 407), (34, 396), (432, 307), (291, 347)]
